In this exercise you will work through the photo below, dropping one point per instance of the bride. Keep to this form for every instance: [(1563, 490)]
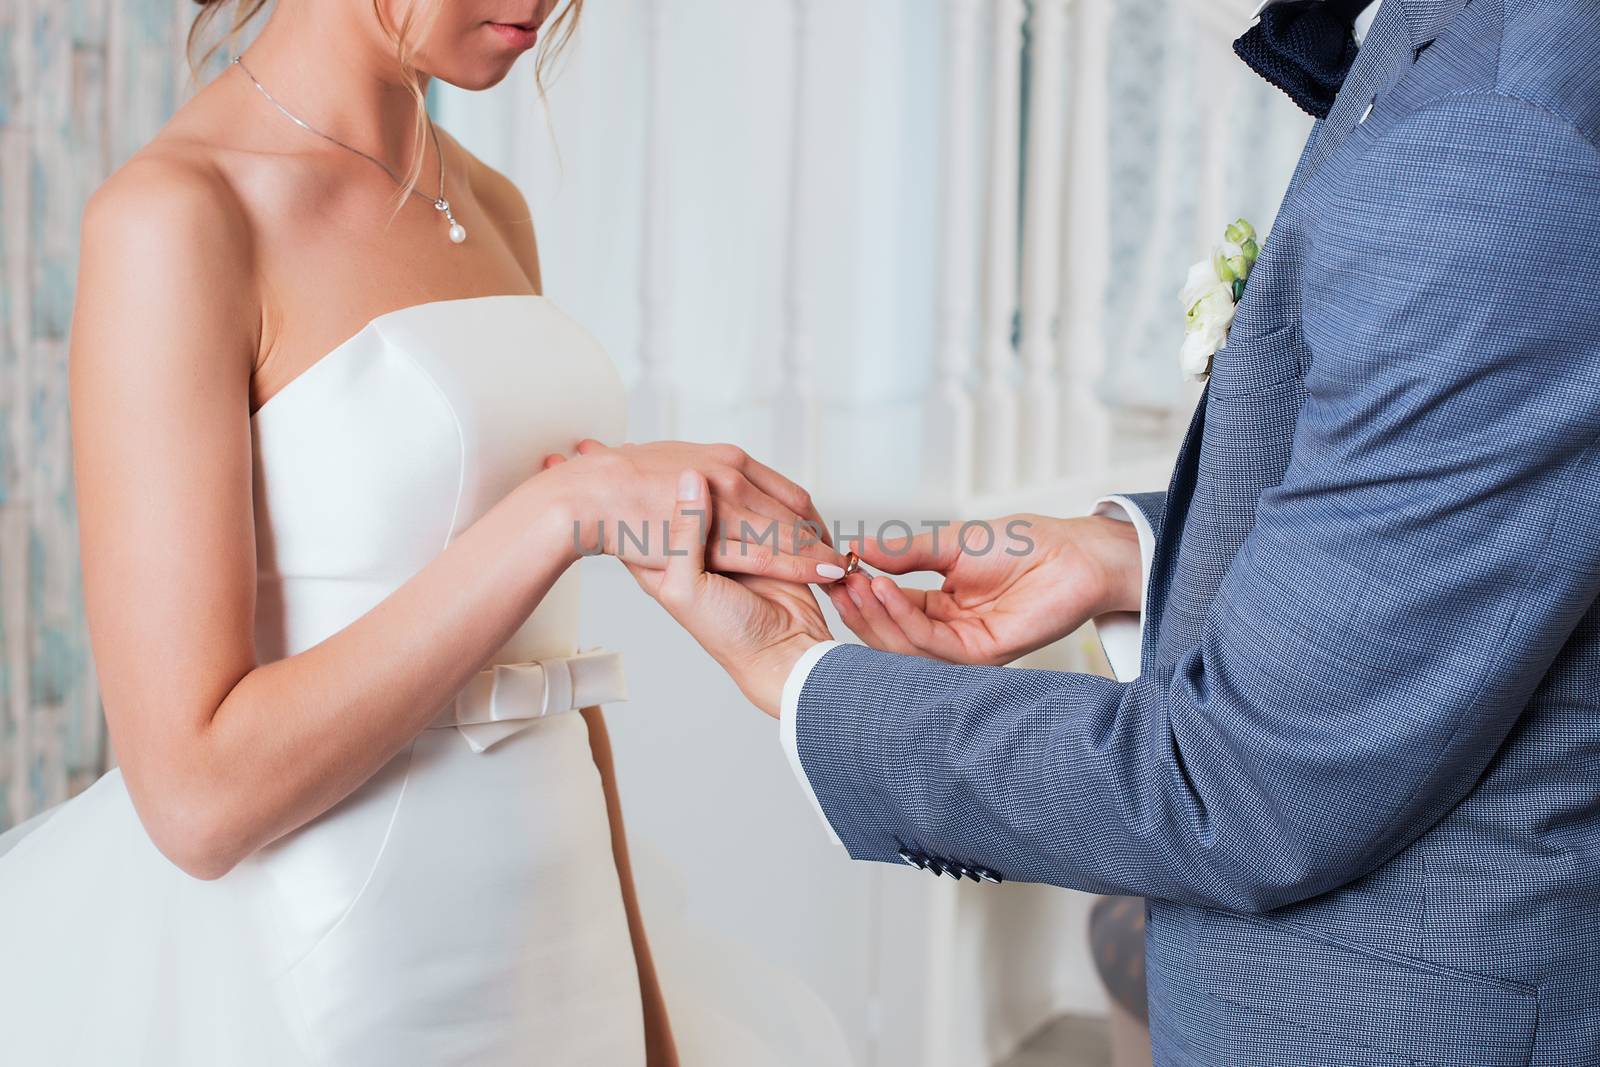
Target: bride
[(365, 811)]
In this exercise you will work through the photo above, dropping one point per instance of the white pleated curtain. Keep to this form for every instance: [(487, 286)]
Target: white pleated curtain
[(920, 253)]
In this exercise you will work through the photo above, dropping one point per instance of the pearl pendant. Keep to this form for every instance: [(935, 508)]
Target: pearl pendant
[(458, 232)]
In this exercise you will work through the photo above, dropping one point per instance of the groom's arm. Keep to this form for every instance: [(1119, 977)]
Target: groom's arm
[(1122, 634), (1432, 545)]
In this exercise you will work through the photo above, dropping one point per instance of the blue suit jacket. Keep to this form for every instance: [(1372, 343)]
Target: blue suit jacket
[(1359, 776)]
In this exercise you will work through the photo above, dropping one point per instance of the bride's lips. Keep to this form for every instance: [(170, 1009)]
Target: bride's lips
[(517, 35)]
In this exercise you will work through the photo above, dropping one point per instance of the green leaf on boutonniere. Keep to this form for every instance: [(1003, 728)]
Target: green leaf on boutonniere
[(1238, 290)]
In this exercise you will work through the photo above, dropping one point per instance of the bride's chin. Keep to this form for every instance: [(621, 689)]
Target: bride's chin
[(477, 74)]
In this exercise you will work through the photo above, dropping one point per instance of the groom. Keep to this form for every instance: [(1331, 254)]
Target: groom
[(1356, 765)]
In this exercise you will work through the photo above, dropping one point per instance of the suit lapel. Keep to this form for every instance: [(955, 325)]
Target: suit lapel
[(1180, 492), (1403, 28), (1427, 19), (1385, 56)]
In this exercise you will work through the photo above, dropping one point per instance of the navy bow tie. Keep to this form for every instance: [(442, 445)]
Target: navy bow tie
[(1305, 48)]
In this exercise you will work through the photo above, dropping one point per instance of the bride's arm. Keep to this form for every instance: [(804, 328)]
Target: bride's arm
[(221, 755)]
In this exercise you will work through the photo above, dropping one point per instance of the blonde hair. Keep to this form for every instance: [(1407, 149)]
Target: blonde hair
[(554, 37)]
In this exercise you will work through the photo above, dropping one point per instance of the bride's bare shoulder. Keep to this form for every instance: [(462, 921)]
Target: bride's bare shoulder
[(184, 168), (185, 185), (174, 207), (164, 224), (166, 240), (162, 193)]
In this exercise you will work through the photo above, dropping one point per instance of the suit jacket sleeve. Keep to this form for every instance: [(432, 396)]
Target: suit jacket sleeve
[(1433, 543), (1152, 506)]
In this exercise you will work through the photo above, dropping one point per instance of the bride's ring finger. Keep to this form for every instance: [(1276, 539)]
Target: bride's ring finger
[(732, 555), (776, 485)]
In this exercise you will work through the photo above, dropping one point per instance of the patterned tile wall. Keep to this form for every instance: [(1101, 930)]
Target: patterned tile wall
[(82, 84)]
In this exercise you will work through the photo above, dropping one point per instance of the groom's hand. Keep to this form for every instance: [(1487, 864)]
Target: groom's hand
[(756, 628), (1011, 586)]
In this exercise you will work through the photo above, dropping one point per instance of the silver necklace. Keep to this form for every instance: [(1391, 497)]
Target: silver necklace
[(458, 232)]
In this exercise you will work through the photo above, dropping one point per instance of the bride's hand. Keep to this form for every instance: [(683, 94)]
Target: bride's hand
[(756, 628), (760, 523)]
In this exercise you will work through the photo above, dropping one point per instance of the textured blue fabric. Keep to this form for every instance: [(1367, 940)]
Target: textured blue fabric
[(1359, 777)]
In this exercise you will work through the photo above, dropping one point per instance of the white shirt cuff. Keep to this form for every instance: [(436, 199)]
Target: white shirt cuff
[(1122, 633), (788, 717)]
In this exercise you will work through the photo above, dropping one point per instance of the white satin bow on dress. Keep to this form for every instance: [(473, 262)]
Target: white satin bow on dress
[(506, 698)]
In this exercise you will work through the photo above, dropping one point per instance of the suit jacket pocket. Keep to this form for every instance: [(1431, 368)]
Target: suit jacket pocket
[(1252, 363), (1406, 1007)]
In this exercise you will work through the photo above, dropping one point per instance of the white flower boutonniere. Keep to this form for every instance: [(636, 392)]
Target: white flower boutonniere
[(1211, 297)]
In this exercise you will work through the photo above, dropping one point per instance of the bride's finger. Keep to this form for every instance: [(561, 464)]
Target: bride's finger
[(792, 495), (748, 514), (555, 460), (759, 560)]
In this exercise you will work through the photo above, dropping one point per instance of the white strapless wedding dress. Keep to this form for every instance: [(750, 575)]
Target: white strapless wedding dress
[(462, 907)]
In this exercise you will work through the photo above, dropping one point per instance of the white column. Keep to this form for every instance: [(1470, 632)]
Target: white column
[(953, 410), (1086, 428), (997, 398), (1041, 242), (795, 407), (1217, 74), (652, 408)]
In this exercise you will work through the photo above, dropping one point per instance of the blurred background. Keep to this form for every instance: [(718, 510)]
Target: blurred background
[(922, 255)]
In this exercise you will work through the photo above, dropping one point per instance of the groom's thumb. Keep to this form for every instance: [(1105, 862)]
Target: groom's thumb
[(686, 540)]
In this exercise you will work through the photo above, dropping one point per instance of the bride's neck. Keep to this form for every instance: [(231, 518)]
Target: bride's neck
[(335, 67)]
